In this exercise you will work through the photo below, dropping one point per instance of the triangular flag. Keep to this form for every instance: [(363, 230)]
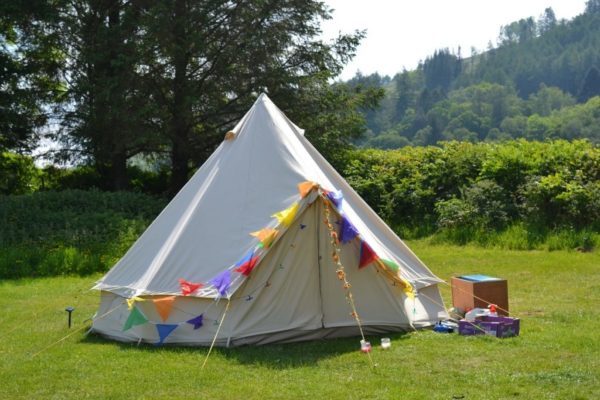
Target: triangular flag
[(392, 266), (222, 282), (367, 255), (188, 287), (266, 236), (347, 230), (196, 321), (391, 269), (164, 330), (135, 318), (132, 301), (286, 217), (336, 198), (247, 264), (306, 187), (163, 306)]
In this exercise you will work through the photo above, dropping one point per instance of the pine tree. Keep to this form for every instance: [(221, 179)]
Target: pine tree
[(590, 86)]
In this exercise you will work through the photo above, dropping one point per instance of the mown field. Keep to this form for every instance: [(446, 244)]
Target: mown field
[(557, 356)]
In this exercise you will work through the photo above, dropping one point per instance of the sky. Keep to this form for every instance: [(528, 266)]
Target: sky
[(400, 33)]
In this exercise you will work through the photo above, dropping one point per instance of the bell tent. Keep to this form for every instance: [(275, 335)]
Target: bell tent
[(266, 243)]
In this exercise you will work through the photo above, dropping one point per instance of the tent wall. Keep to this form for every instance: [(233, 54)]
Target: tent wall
[(293, 294)]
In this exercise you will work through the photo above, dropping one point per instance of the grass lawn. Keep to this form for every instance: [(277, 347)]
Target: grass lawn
[(557, 356)]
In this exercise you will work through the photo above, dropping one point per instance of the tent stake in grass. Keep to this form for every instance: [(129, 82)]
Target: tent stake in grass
[(70, 310)]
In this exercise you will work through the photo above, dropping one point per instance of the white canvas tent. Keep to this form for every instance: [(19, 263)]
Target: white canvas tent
[(281, 282)]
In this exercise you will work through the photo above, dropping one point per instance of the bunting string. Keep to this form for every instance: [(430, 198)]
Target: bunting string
[(340, 271)]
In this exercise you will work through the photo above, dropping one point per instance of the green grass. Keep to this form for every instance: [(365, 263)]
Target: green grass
[(557, 356)]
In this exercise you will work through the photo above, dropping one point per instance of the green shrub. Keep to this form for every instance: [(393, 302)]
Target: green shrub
[(70, 232), (18, 174)]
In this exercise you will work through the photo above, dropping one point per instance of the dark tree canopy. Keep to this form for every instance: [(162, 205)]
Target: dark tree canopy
[(169, 77), (28, 71)]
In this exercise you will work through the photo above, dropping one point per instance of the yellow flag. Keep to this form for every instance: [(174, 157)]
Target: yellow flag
[(132, 301), (286, 217), (409, 292)]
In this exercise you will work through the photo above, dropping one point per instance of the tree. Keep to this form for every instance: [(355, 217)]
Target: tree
[(29, 63), (517, 32), (204, 63), (107, 119), (592, 6), (405, 94), (548, 99), (441, 69), (547, 21), (590, 86)]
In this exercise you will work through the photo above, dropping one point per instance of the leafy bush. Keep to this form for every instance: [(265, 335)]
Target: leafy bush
[(74, 231), (18, 174), (516, 194)]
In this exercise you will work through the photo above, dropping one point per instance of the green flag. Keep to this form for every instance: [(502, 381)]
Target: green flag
[(135, 318), (392, 266)]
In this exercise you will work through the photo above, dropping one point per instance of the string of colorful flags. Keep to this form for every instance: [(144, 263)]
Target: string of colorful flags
[(348, 232), (341, 273), (222, 283)]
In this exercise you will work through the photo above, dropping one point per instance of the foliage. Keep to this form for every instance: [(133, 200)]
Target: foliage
[(128, 78), (18, 174), (105, 116), (555, 295), (70, 232), (475, 192), (141, 179), (537, 73), (29, 63), (171, 77)]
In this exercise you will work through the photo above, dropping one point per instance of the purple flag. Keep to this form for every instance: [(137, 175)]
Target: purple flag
[(336, 198), (222, 282), (196, 321), (347, 230), (164, 330)]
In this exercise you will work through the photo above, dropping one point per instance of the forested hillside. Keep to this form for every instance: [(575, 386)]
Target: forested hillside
[(538, 82)]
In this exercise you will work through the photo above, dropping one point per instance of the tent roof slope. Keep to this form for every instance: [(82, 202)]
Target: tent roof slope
[(206, 227)]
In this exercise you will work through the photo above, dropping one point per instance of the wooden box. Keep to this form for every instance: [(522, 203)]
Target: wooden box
[(479, 291)]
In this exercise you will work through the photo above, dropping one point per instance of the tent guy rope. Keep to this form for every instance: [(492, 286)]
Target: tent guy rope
[(216, 334), (74, 332)]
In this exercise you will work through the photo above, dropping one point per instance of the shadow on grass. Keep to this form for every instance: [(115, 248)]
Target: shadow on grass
[(277, 356)]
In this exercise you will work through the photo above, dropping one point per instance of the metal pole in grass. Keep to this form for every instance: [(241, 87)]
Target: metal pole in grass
[(70, 311)]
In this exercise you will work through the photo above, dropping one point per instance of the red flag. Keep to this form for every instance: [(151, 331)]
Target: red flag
[(188, 287), (247, 264), (367, 255)]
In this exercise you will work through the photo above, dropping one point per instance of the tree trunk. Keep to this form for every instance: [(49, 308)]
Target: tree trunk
[(118, 171), (179, 167)]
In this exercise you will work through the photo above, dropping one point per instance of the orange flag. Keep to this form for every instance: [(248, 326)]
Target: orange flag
[(163, 306), (306, 187), (266, 236)]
